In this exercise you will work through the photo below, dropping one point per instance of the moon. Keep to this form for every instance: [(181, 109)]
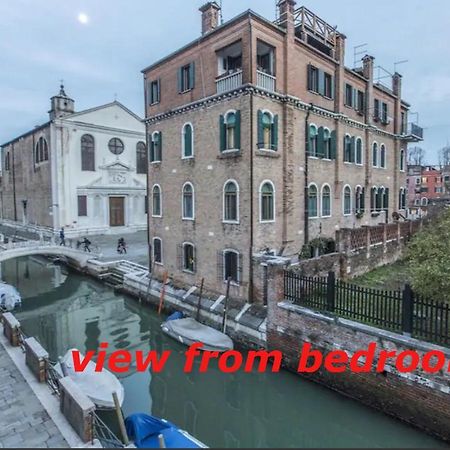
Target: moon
[(83, 18)]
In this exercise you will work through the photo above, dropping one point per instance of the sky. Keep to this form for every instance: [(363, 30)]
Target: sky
[(101, 58)]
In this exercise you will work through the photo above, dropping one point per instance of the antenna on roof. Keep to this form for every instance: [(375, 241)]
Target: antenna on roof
[(398, 63), (357, 51), (221, 11)]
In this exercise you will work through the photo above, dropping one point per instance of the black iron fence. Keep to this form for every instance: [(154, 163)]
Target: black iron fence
[(398, 311)]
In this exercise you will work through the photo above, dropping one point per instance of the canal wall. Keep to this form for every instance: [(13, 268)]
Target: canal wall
[(419, 398)]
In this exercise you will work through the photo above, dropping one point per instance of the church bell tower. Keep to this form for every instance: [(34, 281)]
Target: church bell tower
[(62, 105)]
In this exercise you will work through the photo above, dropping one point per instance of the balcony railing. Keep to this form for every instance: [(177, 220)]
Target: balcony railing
[(415, 131), (229, 82), (265, 81)]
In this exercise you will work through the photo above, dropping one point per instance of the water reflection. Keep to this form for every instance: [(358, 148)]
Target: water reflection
[(238, 410)]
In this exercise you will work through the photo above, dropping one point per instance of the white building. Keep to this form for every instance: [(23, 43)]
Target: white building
[(84, 171)]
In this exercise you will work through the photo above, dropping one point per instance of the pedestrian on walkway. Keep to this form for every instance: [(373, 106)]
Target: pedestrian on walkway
[(62, 237), (121, 246), (86, 244)]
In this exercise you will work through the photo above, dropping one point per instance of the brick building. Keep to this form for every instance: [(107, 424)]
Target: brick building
[(261, 139)]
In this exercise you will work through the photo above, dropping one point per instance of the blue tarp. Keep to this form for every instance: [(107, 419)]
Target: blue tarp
[(144, 431)]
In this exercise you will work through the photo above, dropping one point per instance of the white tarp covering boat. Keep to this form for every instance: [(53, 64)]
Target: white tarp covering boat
[(9, 297), (188, 331), (98, 386)]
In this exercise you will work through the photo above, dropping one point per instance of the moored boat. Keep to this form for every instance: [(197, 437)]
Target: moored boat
[(151, 432), (9, 297), (98, 386)]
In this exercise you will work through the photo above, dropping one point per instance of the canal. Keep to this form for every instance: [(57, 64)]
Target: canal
[(66, 310)]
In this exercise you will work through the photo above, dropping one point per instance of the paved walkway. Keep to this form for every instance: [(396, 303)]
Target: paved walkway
[(23, 420)]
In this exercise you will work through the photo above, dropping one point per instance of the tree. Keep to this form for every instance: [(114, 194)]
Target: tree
[(444, 156), (428, 255), (416, 156)]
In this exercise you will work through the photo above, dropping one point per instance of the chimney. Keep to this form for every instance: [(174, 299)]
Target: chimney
[(286, 10), (368, 67), (210, 17), (397, 84)]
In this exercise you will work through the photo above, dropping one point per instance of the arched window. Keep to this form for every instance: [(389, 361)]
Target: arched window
[(188, 202), (87, 153), (230, 131), (116, 146), (157, 250), (385, 204), (189, 257), (231, 202), (231, 266), (402, 199), (267, 202), (326, 143), (312, 201), (313, 141), (359, 199), (359, 151), (267, 130), (383, 156), (375, 155), (187, 141), (41, 151), (141, 158), (156, 201), (326, 201), (348, 157), (424, 201), (402, 160), (347, 207), (156, 147), (379, 199)]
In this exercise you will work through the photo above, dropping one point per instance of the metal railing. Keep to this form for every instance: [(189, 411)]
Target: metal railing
[(229, 82), (103, 433), (265, 81)]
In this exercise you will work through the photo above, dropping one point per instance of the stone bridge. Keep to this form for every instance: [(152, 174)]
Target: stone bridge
[(13, 250)]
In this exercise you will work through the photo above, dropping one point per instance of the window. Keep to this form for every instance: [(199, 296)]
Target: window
[(384, 113), (156, 147), (230, 59), (326, 201), (116, 146), (402, 199), (186, 78), (188, 201), (267, 131), (325, 138), (402, 160), (265, 57), (347, 200), (41, 151), (7, 161), (230, 131), (231, 265), (188, 141), (267, 202), (417, 202), (376, 109), (385, 199), (156, 201), (418, 181), (141, 158), (157, 250), (404, 122), (348, 95), (424, 201), (313, 78), (231, 202), (320, 82), (348, 149), (82, 206), (359, 151), (328, 88), (313, 147), (154, 92), (87, 153), (361, 102), (383, 156), (359, 199), (188, 257), (375, 155), (312, 201)]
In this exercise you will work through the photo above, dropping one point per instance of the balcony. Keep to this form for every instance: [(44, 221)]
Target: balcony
[(265, 81), (414, 133), (229, 82)]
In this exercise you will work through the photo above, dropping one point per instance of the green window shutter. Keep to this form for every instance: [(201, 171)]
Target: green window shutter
[(353, 149), (223, 143), (333, 144), (237, 130), (152, 150), (355, 98), (159, 91), (310, 87), (192, 75), (180, 79), (363, 199), (386, 199), (321, 82), (188, 141), (149, 92), (260, 130), (333, 82), (160, 141), (321, 143), (275, 133)]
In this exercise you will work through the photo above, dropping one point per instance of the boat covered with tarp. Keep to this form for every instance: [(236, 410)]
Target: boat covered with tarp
[(9, 297), (189, 331), (150, 432), (98, 386)]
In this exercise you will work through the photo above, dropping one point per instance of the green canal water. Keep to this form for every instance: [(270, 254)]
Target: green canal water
[(65, 310)]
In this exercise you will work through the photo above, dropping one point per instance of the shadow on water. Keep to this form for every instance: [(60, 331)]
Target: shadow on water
[(228, 410)]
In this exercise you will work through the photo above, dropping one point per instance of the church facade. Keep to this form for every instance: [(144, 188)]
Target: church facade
[(84, 171)]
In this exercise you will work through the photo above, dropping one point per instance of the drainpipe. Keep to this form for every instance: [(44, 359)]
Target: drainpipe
[(149, 241), (250, 253), (306, 216)]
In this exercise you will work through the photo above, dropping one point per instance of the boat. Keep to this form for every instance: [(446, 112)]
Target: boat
[(98, 386), (189, 331), (151, 432), (9, 297)]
